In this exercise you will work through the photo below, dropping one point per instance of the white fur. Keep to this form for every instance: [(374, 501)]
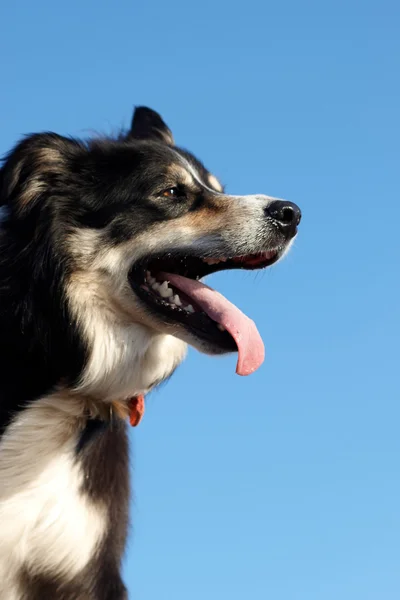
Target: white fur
[(126, 356), (47, 523), (127, 360)]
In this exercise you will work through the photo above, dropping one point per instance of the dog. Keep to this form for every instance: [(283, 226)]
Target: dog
[(103, 246)]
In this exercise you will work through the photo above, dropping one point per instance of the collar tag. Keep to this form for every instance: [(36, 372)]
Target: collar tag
[(136, 410)]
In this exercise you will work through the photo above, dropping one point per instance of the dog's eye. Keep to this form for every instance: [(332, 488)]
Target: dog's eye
[(174, 192)]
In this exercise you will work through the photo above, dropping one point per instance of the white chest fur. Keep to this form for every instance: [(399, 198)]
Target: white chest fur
[(47, 524), (125, 356)]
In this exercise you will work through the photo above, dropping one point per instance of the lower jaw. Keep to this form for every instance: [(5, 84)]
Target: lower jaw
[(194, 326), (196, 329)]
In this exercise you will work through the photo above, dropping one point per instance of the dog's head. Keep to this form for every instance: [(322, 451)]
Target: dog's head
[(130, 226)]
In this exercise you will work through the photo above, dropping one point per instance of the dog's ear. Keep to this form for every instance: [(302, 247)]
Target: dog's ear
[(148, 125), (36, 165)]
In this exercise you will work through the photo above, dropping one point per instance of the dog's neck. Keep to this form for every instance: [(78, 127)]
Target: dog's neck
[(125, 357), (120, 359)]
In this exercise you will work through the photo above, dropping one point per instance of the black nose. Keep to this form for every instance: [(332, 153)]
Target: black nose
[(286, 214)]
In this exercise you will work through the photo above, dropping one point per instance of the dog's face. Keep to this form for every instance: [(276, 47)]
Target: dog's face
[(137, 222)]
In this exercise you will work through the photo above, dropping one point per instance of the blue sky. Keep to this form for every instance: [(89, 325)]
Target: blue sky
[(285, 484)]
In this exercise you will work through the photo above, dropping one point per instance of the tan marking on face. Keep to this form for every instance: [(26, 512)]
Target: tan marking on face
[(220, 213), (214, 183), (233, 218), (83, 245), (93, 286), (213, 216), (91, 251), (180, 175), (210, 217)]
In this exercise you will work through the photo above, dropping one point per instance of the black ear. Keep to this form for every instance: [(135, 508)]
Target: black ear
[(148, 125), (37, 164)]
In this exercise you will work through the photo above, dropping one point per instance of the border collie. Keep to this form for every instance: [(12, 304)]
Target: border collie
[(103, 245)]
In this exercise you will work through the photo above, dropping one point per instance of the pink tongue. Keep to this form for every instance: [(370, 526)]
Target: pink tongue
[(220, 310)]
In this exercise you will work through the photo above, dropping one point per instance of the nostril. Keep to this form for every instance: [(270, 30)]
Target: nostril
[(287, 215)]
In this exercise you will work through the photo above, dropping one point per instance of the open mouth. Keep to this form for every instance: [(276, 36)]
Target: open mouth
[(170, 286)]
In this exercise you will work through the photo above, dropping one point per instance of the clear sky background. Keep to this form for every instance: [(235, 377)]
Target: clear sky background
[(283, 485)]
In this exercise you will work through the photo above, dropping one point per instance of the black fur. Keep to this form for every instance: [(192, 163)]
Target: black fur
[(101, 184), (49, 185), (40, 344), (103, 452), (50, 188)]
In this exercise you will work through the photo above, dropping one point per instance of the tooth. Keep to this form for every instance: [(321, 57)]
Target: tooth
[(165, 291), (155, 286), (221, 327), (214, 261), (151, 280), (176, 300), (189, 308)]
